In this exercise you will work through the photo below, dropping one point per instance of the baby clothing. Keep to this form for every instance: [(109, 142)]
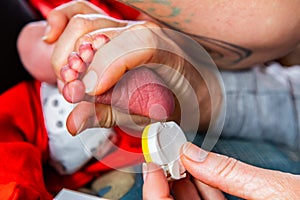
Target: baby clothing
[(69, 153)]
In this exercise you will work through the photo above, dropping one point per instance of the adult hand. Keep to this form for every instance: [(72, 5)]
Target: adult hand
[(82, 15), (126, 46), (157, 187), (59, 17), (74, 35), (226, 174)]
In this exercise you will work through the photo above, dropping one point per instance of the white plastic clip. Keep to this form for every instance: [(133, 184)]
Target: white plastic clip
[(161, 143)]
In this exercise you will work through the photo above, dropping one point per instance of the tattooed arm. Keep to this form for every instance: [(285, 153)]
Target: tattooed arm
[(237, 33)]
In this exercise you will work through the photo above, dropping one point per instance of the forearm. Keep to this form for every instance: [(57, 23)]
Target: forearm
[(263, 104), (238, 34)]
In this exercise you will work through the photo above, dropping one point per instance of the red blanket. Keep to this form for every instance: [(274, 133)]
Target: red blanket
[(24, 172), (111, 7)]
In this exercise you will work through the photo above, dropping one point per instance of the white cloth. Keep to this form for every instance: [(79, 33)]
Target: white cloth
[(69, 153)]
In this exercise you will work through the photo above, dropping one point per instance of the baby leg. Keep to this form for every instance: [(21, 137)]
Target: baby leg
[(35, 54)]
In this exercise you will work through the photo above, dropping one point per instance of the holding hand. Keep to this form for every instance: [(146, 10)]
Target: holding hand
[(92, 64), (225, 174)]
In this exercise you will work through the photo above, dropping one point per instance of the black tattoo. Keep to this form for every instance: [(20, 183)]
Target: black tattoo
[(223, 53), (220, 50)]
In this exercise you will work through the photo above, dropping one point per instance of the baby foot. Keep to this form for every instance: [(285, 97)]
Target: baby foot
[(140, 91), (78, 62), (74, 90)]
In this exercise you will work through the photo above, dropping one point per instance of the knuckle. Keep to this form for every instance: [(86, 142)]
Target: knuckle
[(105, 117), (150, 24), (54, 15), (80, 4), (86, 22), (140, 27), (84, 6), (78, 20), (79, 23), (226, 167), (144, 35)]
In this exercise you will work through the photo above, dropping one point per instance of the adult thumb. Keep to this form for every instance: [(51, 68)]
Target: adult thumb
[(232, 176)]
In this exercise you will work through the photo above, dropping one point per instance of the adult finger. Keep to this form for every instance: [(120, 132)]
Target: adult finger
[(235, 177), (184, 189), (87, 115), (207, 192), (59, 17), (155, 183)]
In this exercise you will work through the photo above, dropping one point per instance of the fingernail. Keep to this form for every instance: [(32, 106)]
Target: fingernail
[(145, 171), (90, 81), (47, 31), (78, 126), (193, 152), (80, 129)]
